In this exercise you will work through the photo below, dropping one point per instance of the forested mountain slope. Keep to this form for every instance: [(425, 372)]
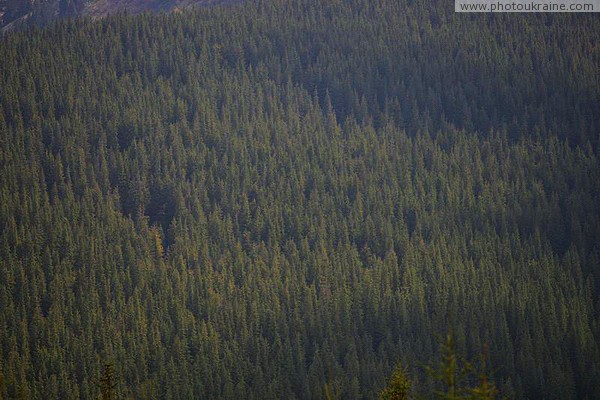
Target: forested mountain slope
[(256, 201), (20, 14)]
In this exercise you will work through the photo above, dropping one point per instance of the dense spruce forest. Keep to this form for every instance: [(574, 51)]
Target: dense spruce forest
[(289, 198)]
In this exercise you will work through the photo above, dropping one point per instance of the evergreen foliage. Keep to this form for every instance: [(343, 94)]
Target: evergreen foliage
[(452, 378), (261, 200), (399, 386)]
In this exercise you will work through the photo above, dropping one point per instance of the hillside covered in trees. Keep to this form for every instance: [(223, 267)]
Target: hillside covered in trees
[(21, 14), (266, 200)]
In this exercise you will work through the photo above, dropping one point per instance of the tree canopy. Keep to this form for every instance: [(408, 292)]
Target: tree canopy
[(265, 200)]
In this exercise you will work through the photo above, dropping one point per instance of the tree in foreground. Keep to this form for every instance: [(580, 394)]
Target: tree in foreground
[(398, 387), (452, 375), (486, 390), (450, 372)]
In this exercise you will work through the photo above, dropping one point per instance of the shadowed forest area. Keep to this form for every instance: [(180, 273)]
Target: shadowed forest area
[(288, 199)]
